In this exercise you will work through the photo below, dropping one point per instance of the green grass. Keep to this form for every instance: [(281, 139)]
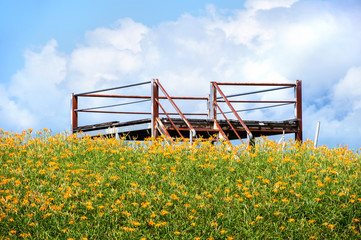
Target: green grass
[(61, 187)]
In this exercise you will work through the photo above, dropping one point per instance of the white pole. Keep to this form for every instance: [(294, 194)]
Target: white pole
[(316, 137)]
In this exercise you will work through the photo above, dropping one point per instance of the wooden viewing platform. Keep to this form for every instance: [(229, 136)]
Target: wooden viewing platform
[(221, 119)]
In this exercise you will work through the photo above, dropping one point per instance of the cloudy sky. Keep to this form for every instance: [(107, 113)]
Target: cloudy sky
[(50, 49)]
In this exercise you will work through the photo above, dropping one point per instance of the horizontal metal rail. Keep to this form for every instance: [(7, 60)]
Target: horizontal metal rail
[(91, 111), (257, 84), (114, 88), (251, 109), (139, 96), (113, 96), (246, 101), (113, 105), (255, 92), (190, 114), (184, 98)]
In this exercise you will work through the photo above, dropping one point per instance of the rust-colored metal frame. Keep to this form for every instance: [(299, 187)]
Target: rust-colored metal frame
[(215, 87), (156, 104), (213, 106)]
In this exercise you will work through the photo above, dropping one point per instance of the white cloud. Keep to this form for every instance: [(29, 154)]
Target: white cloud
[(16, 117), (347, 92), (125, 35), (109, 56), (340, 117), (268, 4), (37, 88), (310, 40)]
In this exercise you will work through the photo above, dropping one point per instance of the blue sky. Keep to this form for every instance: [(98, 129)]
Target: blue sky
[(52, 48), (30, 24)]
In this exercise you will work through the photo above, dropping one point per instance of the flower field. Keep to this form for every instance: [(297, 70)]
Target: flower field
[(63, 187)]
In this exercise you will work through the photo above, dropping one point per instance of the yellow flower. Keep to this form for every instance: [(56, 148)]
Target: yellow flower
[(177, 233), (145, 204), (174, 197), (46, 215), (282, 228), (330, 226), (126, 213), (135, 223), (259, 218), (291, 220)]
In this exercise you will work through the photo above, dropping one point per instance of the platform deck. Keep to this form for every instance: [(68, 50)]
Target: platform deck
[(141, 129)]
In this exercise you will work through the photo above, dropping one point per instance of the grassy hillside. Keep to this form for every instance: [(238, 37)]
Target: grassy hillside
[(68, 188)]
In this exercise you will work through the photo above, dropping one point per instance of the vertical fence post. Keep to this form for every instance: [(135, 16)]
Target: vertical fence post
[(212, 111), (316, 136), (74, 119), (155, 108), (212, 105), (298, 136), (213, 100)]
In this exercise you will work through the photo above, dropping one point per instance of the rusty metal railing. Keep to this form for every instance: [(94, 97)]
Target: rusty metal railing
[(214, 100), (214, 108), (155, 97), (249, 134), (76, 110), (169, 118)]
